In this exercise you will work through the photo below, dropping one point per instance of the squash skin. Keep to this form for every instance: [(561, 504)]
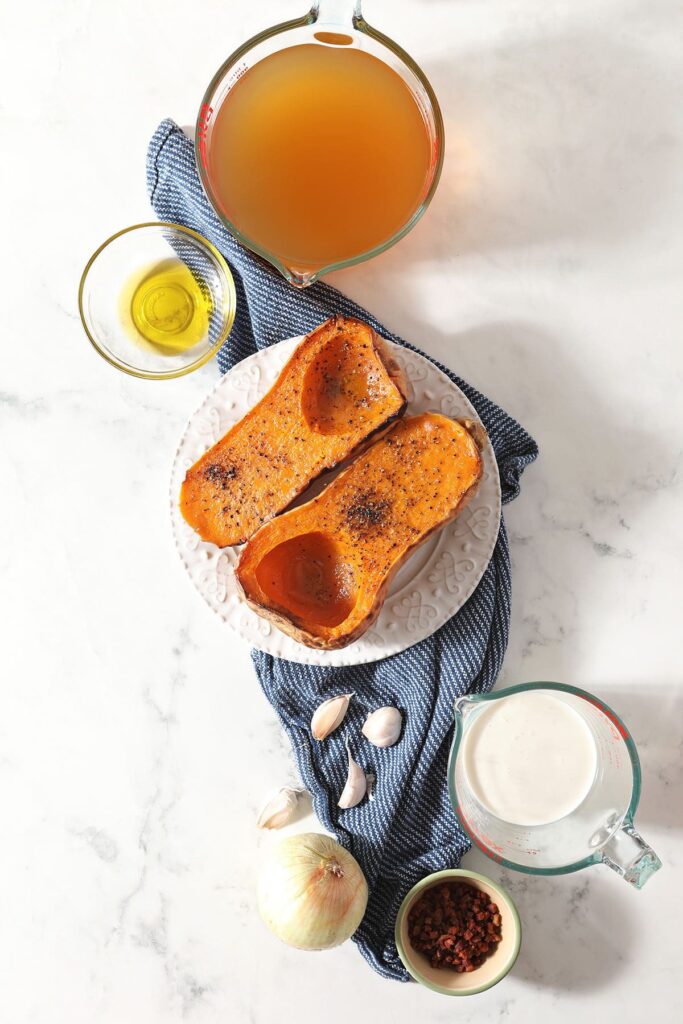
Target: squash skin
[(272, 455), (376, 513)]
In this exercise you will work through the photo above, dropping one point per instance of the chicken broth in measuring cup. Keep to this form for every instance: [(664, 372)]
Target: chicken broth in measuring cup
[(318, 154)]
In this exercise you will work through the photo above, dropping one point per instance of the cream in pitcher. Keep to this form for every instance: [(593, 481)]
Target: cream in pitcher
[(530, 759)]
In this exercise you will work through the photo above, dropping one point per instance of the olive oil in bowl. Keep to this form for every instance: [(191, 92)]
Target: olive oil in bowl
[(164, 306)]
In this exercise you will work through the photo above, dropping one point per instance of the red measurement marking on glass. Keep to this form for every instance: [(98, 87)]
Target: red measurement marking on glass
[(203, 130), (485, 844), (608, 714)]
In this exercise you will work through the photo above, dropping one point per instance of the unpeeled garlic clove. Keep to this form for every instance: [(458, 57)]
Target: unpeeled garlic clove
[(280, 809), (383, 727), (356, 784), (329, 716)]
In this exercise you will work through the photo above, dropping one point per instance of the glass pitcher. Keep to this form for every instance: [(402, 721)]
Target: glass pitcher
[(334, 25), (599, 830)]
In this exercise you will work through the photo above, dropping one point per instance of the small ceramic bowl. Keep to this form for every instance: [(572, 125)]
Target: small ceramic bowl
[(493, 970)]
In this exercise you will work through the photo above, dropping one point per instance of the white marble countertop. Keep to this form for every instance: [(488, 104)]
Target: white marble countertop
[(135, 745)]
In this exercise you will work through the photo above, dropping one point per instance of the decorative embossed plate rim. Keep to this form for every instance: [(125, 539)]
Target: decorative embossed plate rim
[(433, 584)]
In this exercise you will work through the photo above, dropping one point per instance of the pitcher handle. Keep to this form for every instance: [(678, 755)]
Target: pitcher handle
[(628, 854)]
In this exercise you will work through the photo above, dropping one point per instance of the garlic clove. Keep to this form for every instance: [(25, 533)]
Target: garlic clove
[(329, 716), (356, 784), (279, 810), (383, 727)]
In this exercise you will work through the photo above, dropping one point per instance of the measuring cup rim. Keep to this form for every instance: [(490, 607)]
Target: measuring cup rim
[(361, 26), (624, 732)]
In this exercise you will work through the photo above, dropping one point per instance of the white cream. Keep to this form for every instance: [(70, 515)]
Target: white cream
[(529, 758)]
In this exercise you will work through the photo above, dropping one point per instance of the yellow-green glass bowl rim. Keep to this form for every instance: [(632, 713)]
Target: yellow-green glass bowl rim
[(457, 874), (229, 302)]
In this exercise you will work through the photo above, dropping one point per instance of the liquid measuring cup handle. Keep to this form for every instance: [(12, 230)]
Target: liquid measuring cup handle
[(628, 854)]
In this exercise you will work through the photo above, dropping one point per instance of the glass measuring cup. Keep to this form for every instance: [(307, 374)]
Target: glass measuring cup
[(331, 25), (599, 830)]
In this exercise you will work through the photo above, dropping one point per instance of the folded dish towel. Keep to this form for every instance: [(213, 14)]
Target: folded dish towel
[(408, 830)]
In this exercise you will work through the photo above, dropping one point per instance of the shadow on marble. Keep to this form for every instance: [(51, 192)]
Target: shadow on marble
[(598, 472), (654, 715), (577, 933), (536, 150), (590, 452)]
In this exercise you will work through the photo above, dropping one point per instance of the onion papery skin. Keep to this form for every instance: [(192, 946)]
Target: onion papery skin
[(311, 892)]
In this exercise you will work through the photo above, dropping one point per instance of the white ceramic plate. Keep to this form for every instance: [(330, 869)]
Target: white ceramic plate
[(428, 589)]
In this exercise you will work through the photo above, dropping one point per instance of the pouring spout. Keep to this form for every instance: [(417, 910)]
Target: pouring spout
[(463, 705), (337, 12), (629, 855), (301, 278)]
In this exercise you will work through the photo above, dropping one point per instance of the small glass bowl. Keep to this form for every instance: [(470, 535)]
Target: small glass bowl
[(135, 253)]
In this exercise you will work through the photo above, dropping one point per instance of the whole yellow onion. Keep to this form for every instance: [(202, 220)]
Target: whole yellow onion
[(311, 892)]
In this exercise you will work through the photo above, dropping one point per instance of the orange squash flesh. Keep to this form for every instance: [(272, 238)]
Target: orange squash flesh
[(340, 386), (321, 571)]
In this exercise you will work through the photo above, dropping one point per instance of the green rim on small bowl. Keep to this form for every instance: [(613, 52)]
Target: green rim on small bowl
[(227, 292), (510, 916)]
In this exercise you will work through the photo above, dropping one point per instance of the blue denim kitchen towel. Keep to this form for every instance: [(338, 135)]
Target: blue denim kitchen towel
[(408, 829)]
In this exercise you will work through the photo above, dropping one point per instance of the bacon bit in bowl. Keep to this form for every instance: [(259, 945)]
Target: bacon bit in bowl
[(455, 926), (458, 932)]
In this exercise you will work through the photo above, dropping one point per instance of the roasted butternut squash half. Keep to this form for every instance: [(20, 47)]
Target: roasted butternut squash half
[(321, 571), (340, 387)]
